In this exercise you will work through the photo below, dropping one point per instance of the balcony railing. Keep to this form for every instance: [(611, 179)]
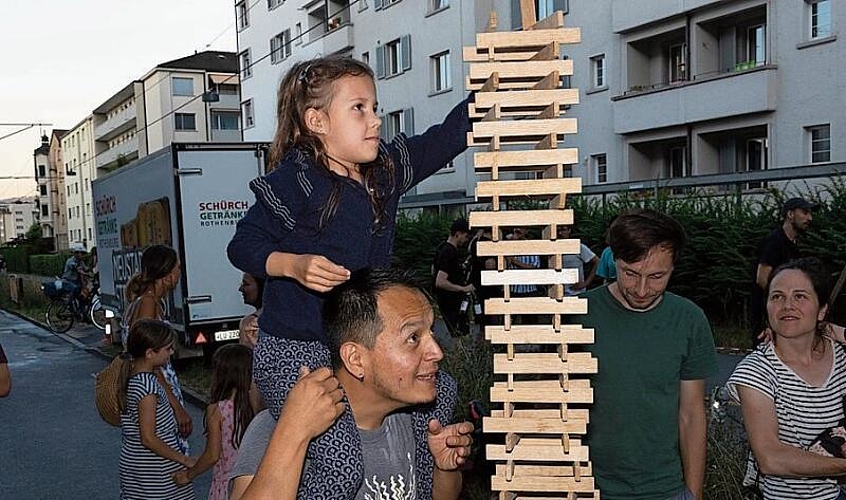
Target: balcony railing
[(737, 68), (126, 149), (115, 125)]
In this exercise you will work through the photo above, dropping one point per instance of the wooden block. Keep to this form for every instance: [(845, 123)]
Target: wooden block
[(580, 393), (523, 70), (549, 52), (528, 14), (577, 414), (521, 218), (527, 247), (475, 54), (526, 98), (538, 334), (553, 21), (538, 450), (549, 363), (524, 39), (529, 277), (547, 470), (532, 187), (533, 426), (543, 484), (524, 128), (552, 81), (539, 159)]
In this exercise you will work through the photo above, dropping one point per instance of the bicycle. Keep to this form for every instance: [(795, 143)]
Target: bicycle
[(66, 307)]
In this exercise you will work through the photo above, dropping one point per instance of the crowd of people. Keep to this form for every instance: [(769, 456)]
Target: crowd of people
[(335, 388)]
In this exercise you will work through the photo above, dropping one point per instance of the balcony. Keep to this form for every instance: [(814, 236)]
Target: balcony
[(627, 15), (116, 125), (227, 101), (127, 149), (338, 39), (751, 89)]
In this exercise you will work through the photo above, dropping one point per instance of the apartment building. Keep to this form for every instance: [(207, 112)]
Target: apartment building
[(79, 170), (191, 99), (668, 89), (50, 198), (17, 215)]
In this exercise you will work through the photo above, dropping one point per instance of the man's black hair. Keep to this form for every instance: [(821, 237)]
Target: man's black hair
[(351, 310)]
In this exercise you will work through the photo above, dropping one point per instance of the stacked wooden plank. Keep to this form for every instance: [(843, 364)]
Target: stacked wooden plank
[(541, 394)]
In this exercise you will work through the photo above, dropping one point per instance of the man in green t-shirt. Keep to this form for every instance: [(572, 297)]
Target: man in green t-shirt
[(647, 425)]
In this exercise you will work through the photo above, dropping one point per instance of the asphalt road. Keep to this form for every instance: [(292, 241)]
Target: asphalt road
[(53, 444)]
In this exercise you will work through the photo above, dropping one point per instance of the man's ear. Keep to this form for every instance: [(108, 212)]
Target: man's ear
[(315, 121), (355, 358)]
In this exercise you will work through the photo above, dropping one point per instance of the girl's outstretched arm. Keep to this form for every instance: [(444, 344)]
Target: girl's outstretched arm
[(151, 440), (214, 447)]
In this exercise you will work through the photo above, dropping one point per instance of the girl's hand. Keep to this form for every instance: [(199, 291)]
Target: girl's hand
[(316, 272), (314, 402), (450, 445), (766, 336), (181, 477), (184, 420)]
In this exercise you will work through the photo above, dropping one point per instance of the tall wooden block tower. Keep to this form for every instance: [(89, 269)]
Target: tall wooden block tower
[(541, 393)]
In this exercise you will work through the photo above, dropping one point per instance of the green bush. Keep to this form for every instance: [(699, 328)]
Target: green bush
[(17, 258), (416, 240), (48, 265)]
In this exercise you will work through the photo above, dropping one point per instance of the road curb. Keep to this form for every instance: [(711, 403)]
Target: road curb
[(188, 394)]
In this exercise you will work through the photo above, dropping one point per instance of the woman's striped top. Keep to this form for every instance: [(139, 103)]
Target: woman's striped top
[(802, 411)]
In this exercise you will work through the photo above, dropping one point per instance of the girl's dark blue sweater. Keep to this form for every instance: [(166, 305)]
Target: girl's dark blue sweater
[(286, 218)]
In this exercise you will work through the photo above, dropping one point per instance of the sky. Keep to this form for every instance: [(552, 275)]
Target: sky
[(60, 59)]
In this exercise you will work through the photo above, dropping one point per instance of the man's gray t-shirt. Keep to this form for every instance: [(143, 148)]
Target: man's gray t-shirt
[(388, 454)]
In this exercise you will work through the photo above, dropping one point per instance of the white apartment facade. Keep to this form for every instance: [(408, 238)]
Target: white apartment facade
[(677, 89), (667, 89), (50, 196), (191, 99), (16, 217), (79, 170)]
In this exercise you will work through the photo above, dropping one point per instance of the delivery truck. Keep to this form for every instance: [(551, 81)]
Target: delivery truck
[(190, 197)]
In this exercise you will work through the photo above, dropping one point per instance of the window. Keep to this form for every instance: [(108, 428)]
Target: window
[(225, 120), (185, 121), (397, 122), (43, 189), (45, 210), (246, 64), (756, 50), (820, 143), (381, 4), (677, 63), (298, 33), (756, 158), (394, 57), (247, 112), (545, 8), (598, 65), (70, 213), (182, 86), (677, 162), (280, 46), (272, 4), (243, 13), (365, 58), (600, 166), (42, 170), (436, 5), (820, 18), (441, 79)]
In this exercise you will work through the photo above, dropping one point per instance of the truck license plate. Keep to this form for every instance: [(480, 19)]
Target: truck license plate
[(226, 335)]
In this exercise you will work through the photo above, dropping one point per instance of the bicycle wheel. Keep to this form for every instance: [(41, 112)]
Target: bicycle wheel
[(60, 317), (97, 314)]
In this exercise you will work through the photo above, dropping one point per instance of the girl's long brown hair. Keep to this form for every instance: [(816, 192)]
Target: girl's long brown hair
[(310, 84), (157, 262), (232, 368)]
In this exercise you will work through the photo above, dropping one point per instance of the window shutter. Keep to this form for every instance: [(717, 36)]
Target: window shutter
[(516, 18), (405, 43), (380, 61), (408, 121), (383, 130), (377, 4), (562, 5)]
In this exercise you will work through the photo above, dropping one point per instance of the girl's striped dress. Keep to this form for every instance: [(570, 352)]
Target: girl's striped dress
[(143, 474)]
